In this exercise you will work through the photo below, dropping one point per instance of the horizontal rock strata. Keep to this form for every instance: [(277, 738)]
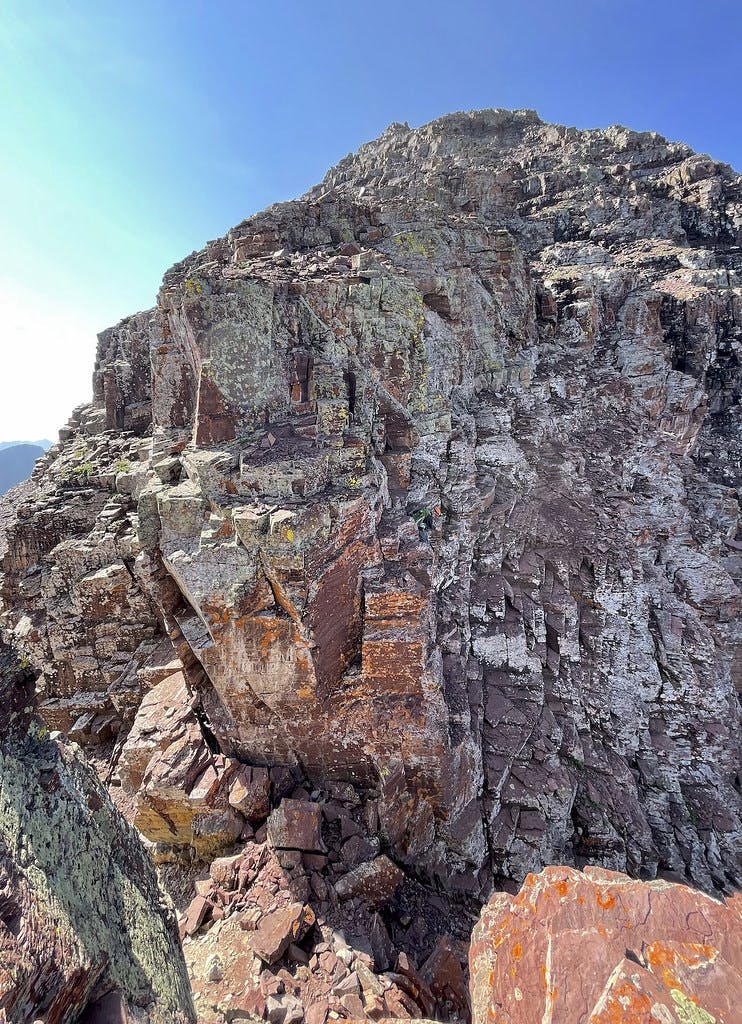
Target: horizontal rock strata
[(424, 483)]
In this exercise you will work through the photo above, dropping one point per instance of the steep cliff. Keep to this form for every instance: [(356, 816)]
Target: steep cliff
[(424, 483)]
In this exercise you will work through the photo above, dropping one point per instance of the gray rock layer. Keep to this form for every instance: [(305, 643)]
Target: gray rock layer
[(429, 479)]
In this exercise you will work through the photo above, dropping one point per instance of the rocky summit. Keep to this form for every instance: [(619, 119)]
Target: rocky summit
[(397, 557)]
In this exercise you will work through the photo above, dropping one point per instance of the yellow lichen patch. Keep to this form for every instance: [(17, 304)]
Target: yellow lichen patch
[(688, 1011), (414, 243)]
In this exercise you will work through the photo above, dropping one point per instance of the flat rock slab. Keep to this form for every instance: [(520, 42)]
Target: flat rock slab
[(296, 825), (602, 948)]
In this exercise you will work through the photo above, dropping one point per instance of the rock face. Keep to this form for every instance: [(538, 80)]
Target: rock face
[(600, 948), (84, 926), (425, 482)]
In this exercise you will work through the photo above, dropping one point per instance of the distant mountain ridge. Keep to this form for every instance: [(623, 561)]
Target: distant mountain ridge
[(16, 463), (44, 443)]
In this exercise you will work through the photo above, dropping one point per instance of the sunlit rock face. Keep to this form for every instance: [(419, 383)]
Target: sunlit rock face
[(604, 949), (426, 482)]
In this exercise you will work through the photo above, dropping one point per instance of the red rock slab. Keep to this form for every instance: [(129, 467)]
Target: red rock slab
[(197, 912), (550, 952), (374, 882), (276, 931), (296, 825)]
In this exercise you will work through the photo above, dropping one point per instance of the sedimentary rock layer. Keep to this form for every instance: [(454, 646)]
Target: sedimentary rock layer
[(426, 482)]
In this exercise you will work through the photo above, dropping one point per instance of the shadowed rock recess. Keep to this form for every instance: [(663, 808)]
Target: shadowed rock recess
[(418, 492)]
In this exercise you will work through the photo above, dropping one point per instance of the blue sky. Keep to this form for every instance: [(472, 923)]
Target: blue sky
[(132, 132)]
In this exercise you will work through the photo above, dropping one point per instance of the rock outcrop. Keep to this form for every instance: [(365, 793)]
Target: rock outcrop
[(424, 483), (600, 948), (85, 930)]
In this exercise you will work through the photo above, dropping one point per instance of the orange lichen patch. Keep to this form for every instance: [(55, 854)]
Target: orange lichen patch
[(624, 1004), (605, 899), (394, 604), (561, 888), (272, 632), (664, 960), (217, 615), (303, 662), (517, 951), (691, 953)]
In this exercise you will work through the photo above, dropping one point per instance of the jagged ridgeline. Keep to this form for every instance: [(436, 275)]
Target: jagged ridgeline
[(419, 493)]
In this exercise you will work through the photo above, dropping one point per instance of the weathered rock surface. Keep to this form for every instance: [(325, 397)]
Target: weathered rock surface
[(425, 482), (267, 939), (600, 948), (84, 926)]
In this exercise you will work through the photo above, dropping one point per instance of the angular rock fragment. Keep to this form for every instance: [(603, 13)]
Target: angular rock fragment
[(276, 931), (249, 793), (296, 825), (374, 882)]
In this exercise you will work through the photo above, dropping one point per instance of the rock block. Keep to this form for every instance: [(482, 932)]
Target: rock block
[(277, 931), (249, 793), (601, 947), (296, 825), (374, 882)]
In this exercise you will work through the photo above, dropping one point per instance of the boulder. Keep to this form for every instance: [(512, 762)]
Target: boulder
[(599, 947), (296, 825), (374, 882)]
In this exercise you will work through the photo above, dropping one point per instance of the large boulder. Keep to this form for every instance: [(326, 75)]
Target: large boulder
[(600, 948), (84, 925)]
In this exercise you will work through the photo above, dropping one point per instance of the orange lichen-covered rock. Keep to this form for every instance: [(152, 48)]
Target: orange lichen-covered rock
[(602, 948)]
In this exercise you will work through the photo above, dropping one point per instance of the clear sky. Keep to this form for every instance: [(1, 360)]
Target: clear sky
[(132, 132)]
